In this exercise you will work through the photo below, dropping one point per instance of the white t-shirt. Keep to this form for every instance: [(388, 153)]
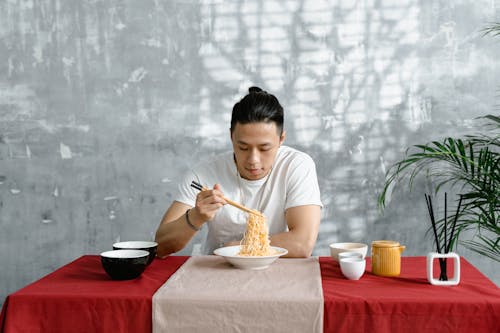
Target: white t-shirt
[(292, 182)]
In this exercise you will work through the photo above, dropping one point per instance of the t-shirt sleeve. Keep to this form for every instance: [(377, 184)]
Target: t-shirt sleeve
[(184, 192), (302, 183)]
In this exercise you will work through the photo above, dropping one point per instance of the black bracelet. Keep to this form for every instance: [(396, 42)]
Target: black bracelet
[(192, 226)]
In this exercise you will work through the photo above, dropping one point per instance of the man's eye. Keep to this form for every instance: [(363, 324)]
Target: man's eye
[(243, 148)]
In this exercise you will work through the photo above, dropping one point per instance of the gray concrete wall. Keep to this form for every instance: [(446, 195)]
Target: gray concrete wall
[(103, 104)]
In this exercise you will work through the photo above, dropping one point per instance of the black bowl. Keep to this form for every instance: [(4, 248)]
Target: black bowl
[(138, 245), (124, 264)]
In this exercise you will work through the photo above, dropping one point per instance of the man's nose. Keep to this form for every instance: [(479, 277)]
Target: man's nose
[(253, 157)]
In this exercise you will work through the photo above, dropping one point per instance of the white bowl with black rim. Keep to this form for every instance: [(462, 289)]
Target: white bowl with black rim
[(149, 246)]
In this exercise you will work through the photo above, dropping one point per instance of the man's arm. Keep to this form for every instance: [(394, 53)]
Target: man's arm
[(174, 231), (303, 226)]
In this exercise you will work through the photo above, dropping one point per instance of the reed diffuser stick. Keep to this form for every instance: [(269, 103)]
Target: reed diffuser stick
[(445, 222), (454, 224), (431, 214), (443, 276)]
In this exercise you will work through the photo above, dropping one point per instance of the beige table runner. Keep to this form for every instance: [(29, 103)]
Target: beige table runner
[(209, 295)]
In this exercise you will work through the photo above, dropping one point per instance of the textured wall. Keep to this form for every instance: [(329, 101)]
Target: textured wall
[(103, 104)]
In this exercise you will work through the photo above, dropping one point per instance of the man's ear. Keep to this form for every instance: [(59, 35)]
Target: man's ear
[(282, 137)]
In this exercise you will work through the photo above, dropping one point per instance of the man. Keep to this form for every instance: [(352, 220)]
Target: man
[(261, 174)]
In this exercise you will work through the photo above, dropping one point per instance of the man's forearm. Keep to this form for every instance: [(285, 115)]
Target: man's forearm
[(297, 245), (173, 236)]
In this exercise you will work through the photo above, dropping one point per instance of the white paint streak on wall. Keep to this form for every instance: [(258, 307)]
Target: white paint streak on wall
[(382, 165), (68, 65), (152, 42), (65, 151), (10, 67), (43, 124), (16, 102), (54, 128), (14, 189), (120, 26), (112, 201), (138, 75), (38, 53)]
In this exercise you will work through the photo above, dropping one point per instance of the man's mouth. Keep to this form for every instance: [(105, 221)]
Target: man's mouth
[(254, 171)]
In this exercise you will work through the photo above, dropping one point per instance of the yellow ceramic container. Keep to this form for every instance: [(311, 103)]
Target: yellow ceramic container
[(386, 257)]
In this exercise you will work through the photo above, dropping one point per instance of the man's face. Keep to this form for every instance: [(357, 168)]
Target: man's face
[(255, 146)]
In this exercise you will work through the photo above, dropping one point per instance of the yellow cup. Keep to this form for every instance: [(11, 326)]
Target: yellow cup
[(386, 257)]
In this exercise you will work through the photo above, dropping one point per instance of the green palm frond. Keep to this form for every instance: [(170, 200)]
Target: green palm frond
[(472, 166), (485, 139), (485, 246), (493, 29), (447, 162)]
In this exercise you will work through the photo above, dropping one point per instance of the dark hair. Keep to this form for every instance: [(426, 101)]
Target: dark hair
[(257, 106)]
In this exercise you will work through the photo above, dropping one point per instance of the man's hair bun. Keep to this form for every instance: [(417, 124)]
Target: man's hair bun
[(257, 106), (255, 90)]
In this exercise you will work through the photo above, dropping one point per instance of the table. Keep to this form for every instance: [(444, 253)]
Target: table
[(408, 303), (80, 297)]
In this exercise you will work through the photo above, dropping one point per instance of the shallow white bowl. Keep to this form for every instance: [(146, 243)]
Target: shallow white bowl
[(336, 248), (230, 253)]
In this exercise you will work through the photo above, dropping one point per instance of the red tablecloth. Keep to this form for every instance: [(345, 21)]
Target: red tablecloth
[(80, 297), (409, 303)]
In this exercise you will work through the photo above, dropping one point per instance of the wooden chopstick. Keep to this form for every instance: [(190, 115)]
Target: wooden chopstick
[(200, 187), (240, 206)]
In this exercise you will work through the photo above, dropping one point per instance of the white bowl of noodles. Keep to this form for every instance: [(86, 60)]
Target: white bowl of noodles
[(230, 253)]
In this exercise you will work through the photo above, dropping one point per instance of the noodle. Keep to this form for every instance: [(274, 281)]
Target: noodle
[(256, 242)]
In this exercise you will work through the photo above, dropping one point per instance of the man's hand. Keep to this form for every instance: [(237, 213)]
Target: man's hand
[(207, 204)]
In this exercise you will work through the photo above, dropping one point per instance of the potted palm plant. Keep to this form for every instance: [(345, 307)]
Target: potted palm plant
[(471, 165)]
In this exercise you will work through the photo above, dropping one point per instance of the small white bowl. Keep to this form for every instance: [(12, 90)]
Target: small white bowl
[(352, 268), (336, 248), (350, 254), (230, 253)]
